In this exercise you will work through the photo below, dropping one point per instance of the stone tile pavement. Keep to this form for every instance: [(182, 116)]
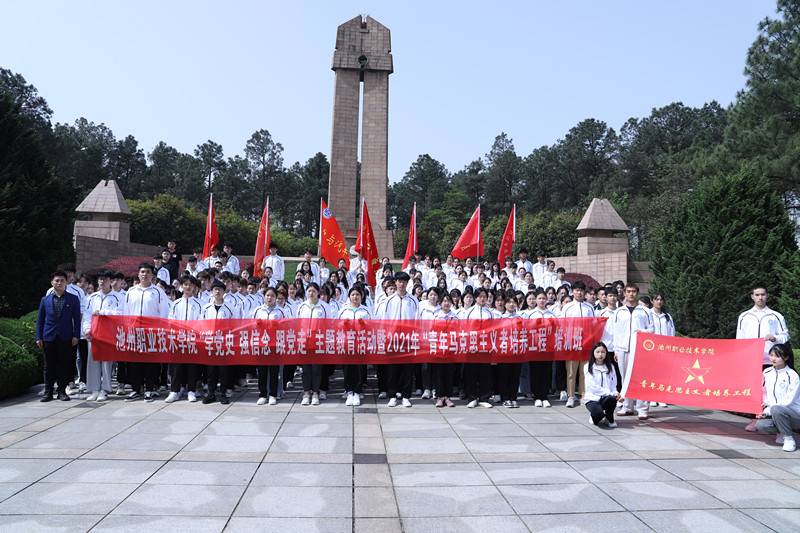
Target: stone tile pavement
[(118, 466)]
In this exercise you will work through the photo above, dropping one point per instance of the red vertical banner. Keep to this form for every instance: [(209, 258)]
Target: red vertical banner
[(365, 245), (470, 244), (411, 248), (720, 374), (509, 237), (262, 243), (331, 241), (212, 239)]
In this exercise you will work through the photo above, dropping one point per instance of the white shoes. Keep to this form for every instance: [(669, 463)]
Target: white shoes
[(272, 400), (392, 402), (192, 396), (643, 416), (545, 403), (406, 402), (612, 424), (382, 396), (571, 401), (472, 404), (93, 397), (537, 403), (486, 405), (789, 444), (261, 401), (102, 396), (315, 398), (624, 412), (653, 404), (349, 400), (306, 399), (426, 394), (173, 396), (356, 400), (563, 396), (323, 395)]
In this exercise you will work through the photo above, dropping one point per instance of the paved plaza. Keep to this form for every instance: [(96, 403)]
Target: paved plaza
[(119, 466)]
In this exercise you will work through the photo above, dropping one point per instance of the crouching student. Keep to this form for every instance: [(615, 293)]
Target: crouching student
[(103, 302), (781, 397), (601, 387)]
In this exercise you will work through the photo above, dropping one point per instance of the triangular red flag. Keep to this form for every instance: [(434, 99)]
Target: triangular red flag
[(365, 245), (470, 244), (509, 237), (331, 241), (212, 239), (411, 249), (262, 243)]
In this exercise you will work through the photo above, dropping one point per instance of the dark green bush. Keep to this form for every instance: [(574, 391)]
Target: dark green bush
[(23, 332), (19, 369)]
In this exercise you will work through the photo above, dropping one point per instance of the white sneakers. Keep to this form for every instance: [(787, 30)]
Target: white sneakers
[(789, 444), (563, 396), (538, 403), (406, 402), (624, 412), (102, 396), (426, 394), (315, 397), (306, 399), (392, 402), (487, 405), (173, 396), (642, 416), (571, 401), (272, 400), (192, 396), (93, 397), (472, 404), (353, 399), (545, 403), (322, 396), (261, 401)]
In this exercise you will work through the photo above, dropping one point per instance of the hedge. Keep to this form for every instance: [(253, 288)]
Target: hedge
[(23, 333), (19, 370)]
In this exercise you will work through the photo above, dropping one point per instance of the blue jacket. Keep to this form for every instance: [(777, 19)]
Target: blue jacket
[(68, 325)]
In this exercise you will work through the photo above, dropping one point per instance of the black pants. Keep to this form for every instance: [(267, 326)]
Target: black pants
[(59, 364), (478, 381), (444, 374), (123, 373), (327, 372), (312, 377), (288, 374), (560, 376), (354, 378), (400, 379), (382, 373), (268, 376), (144, 374), (541, 375), (508, 380), (218, 373), (183, 374), (83, 358), (602, 408)]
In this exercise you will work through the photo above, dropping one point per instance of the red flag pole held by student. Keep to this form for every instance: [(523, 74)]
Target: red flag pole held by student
[(509, 237), (365, 245), (212, 239), (471, 241), (411, 248), (331, 241), (262, 243)]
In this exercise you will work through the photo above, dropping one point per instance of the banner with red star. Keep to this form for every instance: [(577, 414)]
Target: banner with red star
[(720, 374)]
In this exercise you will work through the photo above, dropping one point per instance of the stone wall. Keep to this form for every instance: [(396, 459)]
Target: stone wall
[(93, 253)]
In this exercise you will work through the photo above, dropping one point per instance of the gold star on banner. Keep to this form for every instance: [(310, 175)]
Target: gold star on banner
[(695, 372)]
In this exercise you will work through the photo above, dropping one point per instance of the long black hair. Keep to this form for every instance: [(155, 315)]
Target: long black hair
[(663, 305), (606, 361)]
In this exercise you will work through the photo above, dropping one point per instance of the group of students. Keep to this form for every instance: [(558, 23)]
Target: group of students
[(426, 290)]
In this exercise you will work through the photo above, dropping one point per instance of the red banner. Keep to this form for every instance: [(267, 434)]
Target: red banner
[(330, 341), (709, 373)]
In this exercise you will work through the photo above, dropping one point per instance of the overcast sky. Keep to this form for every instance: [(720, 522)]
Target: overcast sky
[(185, 72)]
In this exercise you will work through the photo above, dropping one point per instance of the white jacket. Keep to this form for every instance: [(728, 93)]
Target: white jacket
[(187, 309), (781, 387), (627, 323), (757, 323), (599, 382), (106, 304), (663, 324), (150, 301)]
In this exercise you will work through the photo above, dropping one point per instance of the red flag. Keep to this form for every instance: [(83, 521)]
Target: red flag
[(331, 241), (709, 373), (365, 245), (509, 237), (412, 237), (262, 243), (212, 239), (470, 244)]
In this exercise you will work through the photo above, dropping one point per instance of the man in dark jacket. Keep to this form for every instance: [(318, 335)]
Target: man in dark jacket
[(57, 331)]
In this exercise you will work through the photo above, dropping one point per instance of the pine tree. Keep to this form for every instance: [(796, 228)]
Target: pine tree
[(36, 213), (734, 231)]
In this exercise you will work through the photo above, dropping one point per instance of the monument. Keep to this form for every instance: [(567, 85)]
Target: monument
[(362, 55)]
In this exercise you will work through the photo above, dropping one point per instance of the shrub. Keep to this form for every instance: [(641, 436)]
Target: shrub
[(589, 281), (18, 368), (23, 333)]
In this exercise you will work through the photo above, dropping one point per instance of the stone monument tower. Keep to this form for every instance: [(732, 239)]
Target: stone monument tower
[(363, 54)]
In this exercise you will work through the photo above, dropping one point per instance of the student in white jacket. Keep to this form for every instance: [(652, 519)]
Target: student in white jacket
[(629, 319), (103, 302), (761, 322), (781, 399), (601, 387)]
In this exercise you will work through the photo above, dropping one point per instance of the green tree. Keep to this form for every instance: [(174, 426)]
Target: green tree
[(503, 181), (32, 106), (764, 128), (36, 212), (312, 184), (82, 152), (267, 177), (425, 183), (733, 232), (128, 166), (212, 160)]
